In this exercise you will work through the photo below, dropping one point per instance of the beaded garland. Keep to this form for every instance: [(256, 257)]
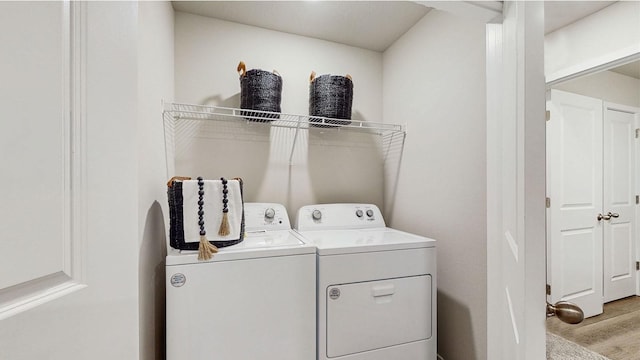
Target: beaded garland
[(205, 249), (203, 232), (225, 191), (224, 226)]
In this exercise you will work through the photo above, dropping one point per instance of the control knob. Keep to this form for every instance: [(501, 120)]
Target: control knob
[(269, 214), (359, 213), (370, 213), (316, 215)]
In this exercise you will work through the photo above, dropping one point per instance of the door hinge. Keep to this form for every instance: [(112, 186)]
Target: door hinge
[(637, 133), (637, 265), (548, 289), (637, 199), (548, 117), (548, 202)]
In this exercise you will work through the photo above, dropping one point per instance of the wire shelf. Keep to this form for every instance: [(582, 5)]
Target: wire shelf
[(175, 113), (216, 113)]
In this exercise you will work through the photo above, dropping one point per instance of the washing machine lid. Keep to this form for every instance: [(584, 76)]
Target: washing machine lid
[(256, 244), (348, 241)]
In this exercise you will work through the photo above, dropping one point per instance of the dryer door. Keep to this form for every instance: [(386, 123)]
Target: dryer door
[(375, 314)]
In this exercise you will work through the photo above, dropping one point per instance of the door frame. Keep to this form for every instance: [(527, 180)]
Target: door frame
[(528, 81), (590, 68)]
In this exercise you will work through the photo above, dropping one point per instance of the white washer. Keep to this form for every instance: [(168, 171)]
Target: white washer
[(253, 300), (376, 285)]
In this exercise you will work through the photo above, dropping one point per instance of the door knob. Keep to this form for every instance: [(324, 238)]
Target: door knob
[(613, 215), (566, 311), (604, 217)]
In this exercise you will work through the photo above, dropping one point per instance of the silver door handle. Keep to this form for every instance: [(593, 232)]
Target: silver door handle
[(566, 311), (613, 215), (604, 217)]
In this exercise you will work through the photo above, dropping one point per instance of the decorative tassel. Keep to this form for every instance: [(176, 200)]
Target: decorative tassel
[(206, 249), (224, 225)]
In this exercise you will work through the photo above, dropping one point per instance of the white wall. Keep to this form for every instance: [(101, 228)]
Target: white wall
[(328, 166), (606, 85), (155, 83), (434, 80), (607, 35)]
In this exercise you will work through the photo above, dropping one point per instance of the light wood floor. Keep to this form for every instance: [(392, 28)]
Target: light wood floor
[(614, 334)]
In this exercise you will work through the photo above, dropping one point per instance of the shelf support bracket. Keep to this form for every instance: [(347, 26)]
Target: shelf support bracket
[(293, 145)]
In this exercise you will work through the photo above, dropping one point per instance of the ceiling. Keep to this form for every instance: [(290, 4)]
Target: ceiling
[(373, 25)]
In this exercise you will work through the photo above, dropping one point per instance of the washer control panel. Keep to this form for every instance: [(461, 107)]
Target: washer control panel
[(265, 216), (339, 216)]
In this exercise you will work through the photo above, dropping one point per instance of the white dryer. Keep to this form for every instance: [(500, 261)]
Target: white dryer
[(376, 285), (253, 300)]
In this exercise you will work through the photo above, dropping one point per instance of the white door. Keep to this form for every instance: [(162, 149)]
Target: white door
[(516, 184), (590, 173), (619, 199), (574, 187), (68, 213)]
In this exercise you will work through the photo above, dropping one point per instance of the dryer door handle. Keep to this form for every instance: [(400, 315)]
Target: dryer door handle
[(383, 290)]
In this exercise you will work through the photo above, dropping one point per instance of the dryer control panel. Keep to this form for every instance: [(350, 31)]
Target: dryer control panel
[(339, 216)]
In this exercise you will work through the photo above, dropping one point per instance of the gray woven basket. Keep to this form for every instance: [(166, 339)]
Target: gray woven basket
[(330, 96), (260, 90)]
